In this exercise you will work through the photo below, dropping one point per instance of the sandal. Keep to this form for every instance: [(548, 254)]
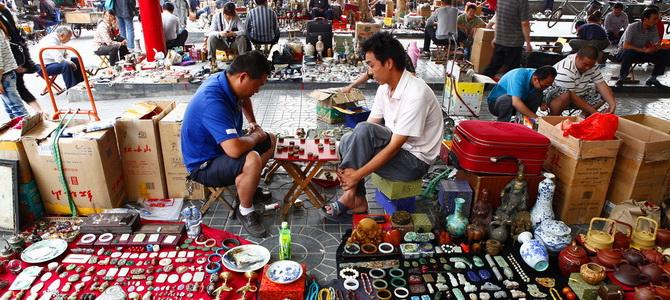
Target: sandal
[(338, 210)]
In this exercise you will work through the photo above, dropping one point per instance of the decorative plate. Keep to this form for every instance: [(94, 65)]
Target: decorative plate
[(44, 251), (310, 64), (246, 258), (284, 271)]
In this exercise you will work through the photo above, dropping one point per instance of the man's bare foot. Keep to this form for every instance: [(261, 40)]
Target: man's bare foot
[(357, 205)]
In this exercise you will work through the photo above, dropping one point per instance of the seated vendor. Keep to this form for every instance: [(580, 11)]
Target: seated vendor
[(226, 32), (403, 149), (58, 61), (445, 19), (262, 24), (47, 14), (520, 90), (320, 8), (466, 24), (108, 43), (590, 33), (579, 83), (216, 152), (174, 37)]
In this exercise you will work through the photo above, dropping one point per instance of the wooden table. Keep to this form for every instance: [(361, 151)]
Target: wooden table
[(303, 165)]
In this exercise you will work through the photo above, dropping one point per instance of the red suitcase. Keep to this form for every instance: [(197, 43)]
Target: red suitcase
[(477, 142)]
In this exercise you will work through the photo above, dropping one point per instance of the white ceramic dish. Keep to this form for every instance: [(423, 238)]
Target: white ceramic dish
[(246, 258), (284, 271), (44, 251)]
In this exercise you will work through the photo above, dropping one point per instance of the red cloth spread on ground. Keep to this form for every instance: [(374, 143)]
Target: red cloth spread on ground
[(236, 282)]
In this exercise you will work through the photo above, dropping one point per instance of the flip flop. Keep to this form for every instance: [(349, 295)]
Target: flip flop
[(339, 212)]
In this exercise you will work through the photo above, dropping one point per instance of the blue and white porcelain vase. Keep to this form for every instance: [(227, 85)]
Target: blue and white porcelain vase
[(554, 235), (457, 222), (533, 252), (545, 194)]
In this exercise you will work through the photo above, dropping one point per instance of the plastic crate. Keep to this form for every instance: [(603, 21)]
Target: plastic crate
[(391, 205), (359, 114)]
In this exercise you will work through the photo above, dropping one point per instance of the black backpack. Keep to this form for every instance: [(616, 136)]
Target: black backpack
[(284, 57)]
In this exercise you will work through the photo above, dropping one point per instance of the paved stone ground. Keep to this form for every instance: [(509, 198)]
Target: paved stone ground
[(282, 109)]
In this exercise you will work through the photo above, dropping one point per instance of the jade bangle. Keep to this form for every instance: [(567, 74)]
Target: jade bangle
[(227, 241), (395, 272), (401, 293), (352, 249), (398, 282), (384, 294), (380, 284), (369, 249)]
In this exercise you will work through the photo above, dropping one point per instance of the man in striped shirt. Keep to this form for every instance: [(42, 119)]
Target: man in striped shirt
[(579, 83), (262, 25)]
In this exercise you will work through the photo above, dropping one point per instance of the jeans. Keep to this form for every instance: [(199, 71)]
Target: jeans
[(179, 41), (630, 56), (510, 57), (357, 148), (71, 76), (127, 31), (503, 109), (11, 98)]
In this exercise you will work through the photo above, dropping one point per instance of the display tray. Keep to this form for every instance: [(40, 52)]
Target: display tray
[(372, 256), (162, 228), (111, 222)]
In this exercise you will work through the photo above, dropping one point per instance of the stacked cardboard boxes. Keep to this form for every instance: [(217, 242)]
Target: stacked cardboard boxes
[(583, 170), (175, 170), (482, 51), (141, 153)]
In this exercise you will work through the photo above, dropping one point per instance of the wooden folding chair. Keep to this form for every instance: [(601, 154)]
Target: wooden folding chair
[(218, 194), (54, 85), (104, 61)]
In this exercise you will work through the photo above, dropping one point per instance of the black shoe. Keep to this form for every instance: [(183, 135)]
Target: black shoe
[(619, 84), (251, 223), (261, 195), (656, 83)]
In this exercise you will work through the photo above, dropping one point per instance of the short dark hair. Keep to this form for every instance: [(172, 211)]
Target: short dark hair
[(168, 6), (545, 72), (261, 2), (385, 47), (579, 24), (471, 6), (595, 16), (646, 14), (589, 52), (253, 63), (111, 12), (447, 2), (618, 5), (229, 9)]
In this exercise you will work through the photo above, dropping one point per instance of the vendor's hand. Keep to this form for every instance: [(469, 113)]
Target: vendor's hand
[(348, 178), (223, 34), (20, 69), (611, 108), (253, 126), (347, 89), (529, 48), (125, 42), (544, 106), (74, 66)]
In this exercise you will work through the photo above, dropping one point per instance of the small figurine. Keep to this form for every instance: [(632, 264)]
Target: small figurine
[(514, 197), (193, 219), (320, 47), (482, 210)]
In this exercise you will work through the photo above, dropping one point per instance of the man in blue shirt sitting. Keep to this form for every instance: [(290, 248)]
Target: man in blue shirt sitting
[(520, 90), (215, 150)]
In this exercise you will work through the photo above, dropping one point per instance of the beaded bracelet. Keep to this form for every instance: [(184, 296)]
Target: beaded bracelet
[(352, 271), (367, 286), (398, 282)]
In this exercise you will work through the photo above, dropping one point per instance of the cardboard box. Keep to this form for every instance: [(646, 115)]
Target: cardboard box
[(448, 190), (31, 207), (583, 170), (141, 154), (175, 171), (12, 148), (91, 165), (482, 51), (649, 121), (364, 30), (642, 164), (495, 183), (327, 99), (465, 98), (397, 189)]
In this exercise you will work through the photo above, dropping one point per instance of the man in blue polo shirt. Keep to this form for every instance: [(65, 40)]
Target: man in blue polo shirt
[(520, 90), (215, 150)]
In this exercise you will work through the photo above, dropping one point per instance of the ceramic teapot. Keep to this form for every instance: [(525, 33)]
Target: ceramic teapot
[(610, 257), (634, 257), (592, 273), (621, 239), (653, 256), (655, 273), (554, 234), (571, 259), (599, 239), (662, 291), (644, 293), (630, 275), (666, 268), (663, 238), (498, 231), (644, 239)]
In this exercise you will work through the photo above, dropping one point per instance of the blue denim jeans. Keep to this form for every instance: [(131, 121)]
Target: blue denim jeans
[(127, 31), (11, 98)]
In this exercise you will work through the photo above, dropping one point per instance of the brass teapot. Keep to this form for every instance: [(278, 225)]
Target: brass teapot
[(643, 239), (599, 239)]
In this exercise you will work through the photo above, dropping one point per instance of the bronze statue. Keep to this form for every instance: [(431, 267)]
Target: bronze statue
[(482, 210)]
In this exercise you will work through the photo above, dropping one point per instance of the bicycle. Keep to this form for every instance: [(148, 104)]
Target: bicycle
[(580, 15)]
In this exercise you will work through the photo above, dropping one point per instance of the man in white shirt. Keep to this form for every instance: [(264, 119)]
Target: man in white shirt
[(174, 37), (615, 23), (403, 149), (579, 82), (445, 19), (59, 61)]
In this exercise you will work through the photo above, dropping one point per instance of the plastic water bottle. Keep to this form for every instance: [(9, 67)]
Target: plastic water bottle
[(284, 242)]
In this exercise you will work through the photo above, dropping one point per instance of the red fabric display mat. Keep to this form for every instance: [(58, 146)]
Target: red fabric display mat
[(162, 291)]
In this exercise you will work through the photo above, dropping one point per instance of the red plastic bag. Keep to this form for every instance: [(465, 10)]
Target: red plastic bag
[(597, 127)]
